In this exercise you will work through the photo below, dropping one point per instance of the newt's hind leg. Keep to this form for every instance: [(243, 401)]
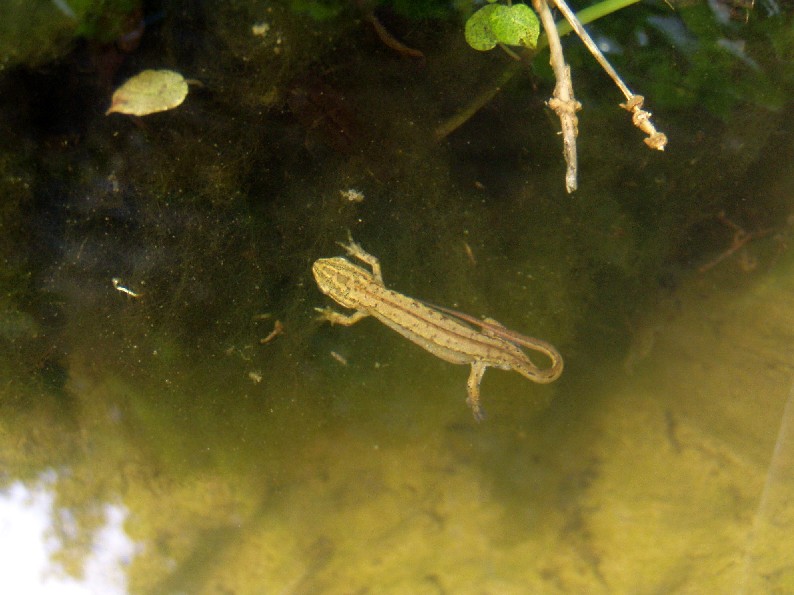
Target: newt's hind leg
[(473, 387)]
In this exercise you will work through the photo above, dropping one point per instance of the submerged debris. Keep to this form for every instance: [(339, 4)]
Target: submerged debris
[(149, 92), (119, 287), (278, 329), (260, 29), (352, 195), (338, 357)]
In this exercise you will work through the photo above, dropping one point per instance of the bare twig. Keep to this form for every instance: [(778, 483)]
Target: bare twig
[(640, 118), (563, 101), (390, 40), (738, 241)]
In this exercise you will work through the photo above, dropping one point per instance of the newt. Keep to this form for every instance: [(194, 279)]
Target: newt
[(445, 333)]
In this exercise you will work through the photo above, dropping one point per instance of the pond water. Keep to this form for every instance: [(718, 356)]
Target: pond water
[(175, 417)]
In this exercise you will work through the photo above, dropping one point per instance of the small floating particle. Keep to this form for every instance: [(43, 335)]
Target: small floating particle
[(119, 287), (255, 376), (352, 195), (260, 29), (278, 329), (340, 358), (149, 92), (470, 254)]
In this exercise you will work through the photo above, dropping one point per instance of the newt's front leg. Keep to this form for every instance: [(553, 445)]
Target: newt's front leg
[(356, 251), (330, 315), (473, 388)]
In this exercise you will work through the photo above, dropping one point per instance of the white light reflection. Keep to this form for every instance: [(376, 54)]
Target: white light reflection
[(25, 547)]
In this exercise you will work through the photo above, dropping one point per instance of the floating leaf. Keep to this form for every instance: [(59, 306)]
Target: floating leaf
[(479, 34), (515, 25), (497, 23), (149, 92)]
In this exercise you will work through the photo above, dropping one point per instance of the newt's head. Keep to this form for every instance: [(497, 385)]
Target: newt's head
[(337, 278)]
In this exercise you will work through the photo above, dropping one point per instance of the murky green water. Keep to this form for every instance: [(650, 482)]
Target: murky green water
[(154, 436)]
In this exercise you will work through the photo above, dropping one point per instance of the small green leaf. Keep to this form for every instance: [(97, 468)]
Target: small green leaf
[(515, 25), (479, 34)]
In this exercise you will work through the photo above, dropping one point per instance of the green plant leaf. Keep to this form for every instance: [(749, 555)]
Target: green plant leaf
[(515, 25), (479, 33), (497, 23)]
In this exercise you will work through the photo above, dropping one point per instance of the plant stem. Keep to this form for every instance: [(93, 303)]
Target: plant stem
[(587, 15), (563, 102)]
